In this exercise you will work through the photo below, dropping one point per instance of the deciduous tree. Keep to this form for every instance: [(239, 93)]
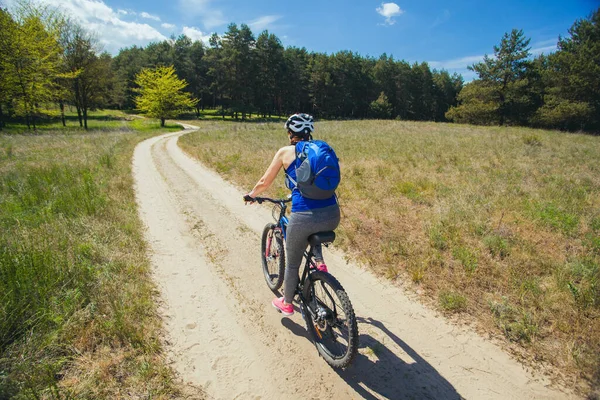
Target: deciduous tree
[(7, 37), (31, 58), (161, 93), (91, 74)]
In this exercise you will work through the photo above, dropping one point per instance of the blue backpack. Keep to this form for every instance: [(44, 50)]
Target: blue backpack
[(317, 170)]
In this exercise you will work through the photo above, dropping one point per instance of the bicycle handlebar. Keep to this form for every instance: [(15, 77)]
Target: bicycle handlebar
[(260, 200)]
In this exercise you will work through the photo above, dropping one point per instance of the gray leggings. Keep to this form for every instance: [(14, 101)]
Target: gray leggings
[(301, 225)]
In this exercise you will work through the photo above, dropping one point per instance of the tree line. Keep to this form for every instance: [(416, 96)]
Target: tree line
[(49, 60), (236, 72), (240, 74)]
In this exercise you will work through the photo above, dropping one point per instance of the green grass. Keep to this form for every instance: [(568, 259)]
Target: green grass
[(492, 213), (518, 325), (98, 121), (102, 120), (216, 115), (467, 257), (77, 312), (452, 302)]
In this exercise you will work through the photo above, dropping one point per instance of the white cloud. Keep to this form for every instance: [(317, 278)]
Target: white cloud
[(112, 31), (536, 51), (202, 9), (389, 11), (262, 23), (457, 63), (144, 14), (167, 26), (195, 34), (460, 65), (544, 46)]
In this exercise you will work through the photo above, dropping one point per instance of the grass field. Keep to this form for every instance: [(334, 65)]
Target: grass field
[(98, 121), (216, 114), (77, 308), (501, 224)]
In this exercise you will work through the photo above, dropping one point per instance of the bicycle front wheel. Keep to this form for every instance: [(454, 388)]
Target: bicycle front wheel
[(273, 256), (330, 319)]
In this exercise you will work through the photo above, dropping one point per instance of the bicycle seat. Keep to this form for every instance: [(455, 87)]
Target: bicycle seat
[(321, 237)]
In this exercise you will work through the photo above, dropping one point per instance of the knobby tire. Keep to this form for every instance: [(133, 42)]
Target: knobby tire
[(273, 264)]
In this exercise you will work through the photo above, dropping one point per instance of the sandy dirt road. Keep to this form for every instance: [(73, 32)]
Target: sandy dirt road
[(225, 336)]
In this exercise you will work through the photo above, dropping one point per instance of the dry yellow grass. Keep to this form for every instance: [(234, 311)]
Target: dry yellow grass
[(500, 223)]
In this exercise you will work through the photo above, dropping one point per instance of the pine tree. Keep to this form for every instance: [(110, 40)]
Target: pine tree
[(506, 74), (572, 79), (502, 94), (446, 89), (294, 87), (381, 108), (216, 73), (125, 66), (269, 72)]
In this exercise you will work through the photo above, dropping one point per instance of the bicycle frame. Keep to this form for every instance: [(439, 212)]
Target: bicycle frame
[(319, 295), (283, 220)]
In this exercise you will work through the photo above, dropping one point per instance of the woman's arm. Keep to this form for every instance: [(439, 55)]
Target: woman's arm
[(270, 174)]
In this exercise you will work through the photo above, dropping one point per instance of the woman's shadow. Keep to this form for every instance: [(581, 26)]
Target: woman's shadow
[(377, 372)]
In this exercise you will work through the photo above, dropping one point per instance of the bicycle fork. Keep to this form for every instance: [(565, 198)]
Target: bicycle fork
[(269, 242), (268, 246), (320, 317)]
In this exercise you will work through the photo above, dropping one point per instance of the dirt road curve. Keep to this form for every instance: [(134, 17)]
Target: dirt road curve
[(225, 336)]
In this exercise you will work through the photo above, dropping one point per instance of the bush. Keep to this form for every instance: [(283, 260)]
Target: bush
[(476, 106), (452, 301), (497, 245), (562, 114), (532, 140), (381, 108), (517, 325)]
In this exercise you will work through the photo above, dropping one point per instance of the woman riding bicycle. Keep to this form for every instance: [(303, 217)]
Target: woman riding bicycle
[(308, 215)]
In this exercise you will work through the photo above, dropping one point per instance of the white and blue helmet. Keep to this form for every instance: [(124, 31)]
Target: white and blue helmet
[(302, 124)]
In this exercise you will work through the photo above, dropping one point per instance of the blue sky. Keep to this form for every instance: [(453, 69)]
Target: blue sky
[(448, 35)]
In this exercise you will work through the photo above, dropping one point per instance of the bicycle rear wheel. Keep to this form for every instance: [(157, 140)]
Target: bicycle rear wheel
[(330, 319), (273, 256)]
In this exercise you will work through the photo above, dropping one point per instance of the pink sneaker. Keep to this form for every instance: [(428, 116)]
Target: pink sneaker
[(283, 307), (322, 267)]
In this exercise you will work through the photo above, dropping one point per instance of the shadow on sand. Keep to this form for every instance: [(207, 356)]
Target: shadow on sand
[(377, 372)]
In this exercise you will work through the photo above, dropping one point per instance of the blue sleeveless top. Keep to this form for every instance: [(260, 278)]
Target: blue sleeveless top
[(300, 203)]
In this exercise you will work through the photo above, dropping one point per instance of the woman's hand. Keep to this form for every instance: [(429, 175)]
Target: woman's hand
[(248, 198)]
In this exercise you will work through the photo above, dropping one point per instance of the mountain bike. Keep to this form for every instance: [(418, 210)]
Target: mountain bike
[(322, 300)]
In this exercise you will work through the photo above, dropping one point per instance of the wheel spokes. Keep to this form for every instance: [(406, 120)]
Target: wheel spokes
[(333, 330)]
